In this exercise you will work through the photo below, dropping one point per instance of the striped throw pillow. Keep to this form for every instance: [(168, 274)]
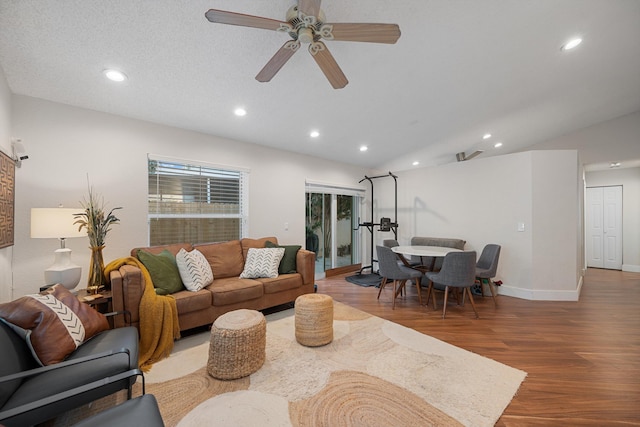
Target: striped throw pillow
[(194, 269)]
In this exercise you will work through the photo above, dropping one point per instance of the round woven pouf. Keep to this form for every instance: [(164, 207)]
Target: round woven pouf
[(237, 346), (314, 319)]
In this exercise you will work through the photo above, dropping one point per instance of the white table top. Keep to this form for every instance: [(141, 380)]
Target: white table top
[(424, 250)]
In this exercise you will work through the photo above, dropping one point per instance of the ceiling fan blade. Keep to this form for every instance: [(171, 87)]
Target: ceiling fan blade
[(328, 65), (232, 18), (278, 60), (373, 33), (309, 7)]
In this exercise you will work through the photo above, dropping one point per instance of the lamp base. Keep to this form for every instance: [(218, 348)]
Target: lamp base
[(63, 271)]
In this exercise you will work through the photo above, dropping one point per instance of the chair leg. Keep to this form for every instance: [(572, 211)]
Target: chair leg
[(493, 291), (429, 291), (393, 305), (473, 304), (418, 289), (446, 295), (382, 283)]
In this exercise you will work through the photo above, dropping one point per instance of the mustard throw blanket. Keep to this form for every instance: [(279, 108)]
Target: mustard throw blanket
[(158, 318)]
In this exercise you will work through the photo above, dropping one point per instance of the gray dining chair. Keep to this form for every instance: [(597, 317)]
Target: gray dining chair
[(389, 269), (486, 268), (458, 272)]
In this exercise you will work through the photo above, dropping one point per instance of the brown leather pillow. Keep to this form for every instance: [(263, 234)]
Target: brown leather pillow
[(54, 322)]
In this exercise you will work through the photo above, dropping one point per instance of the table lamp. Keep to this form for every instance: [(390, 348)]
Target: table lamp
[(58, 223)]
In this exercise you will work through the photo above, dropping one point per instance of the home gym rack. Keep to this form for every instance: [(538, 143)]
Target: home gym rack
[(385, 224)]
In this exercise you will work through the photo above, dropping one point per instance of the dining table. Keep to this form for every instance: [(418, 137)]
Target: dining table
[(422, 252)]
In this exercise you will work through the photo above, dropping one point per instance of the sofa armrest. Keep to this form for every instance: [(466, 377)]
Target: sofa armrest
[(306, 266), (127, 287)]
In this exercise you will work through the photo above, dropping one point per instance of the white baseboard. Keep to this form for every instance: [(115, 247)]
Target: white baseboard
[(631, 268), (542, 294)]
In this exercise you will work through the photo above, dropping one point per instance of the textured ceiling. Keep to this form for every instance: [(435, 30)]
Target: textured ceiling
[(461, 68)]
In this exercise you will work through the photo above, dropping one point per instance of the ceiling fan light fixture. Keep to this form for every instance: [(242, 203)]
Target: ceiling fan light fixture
[(305, 35)]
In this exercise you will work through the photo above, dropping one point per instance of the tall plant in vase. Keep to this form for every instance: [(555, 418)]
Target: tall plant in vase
[(97, 223)]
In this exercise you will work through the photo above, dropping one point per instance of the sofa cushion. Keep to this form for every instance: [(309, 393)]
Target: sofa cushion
[(255, 243), (288, 262), (262, 262), (163, 270), (281, 283), (225, 258), (194, 269), (232, 290), (53, 323), (188, 301)]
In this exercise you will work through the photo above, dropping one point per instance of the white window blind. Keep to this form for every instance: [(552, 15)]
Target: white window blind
[(195, 203)]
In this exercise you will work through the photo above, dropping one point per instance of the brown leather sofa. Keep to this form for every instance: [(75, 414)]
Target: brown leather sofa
[(227, 292)]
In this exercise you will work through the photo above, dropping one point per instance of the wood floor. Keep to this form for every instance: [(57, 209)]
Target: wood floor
[(582, 358)]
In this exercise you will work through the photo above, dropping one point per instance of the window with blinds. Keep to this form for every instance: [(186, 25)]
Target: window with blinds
[(195, 203)]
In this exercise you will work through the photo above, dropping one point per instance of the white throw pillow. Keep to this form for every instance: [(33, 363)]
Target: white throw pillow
[(262, 262), (194, 269)]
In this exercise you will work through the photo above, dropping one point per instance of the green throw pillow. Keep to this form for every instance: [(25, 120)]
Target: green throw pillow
[(163, 270), (288, 262)]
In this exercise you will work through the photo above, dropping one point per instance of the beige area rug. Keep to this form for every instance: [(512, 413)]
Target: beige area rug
[(374, 373)]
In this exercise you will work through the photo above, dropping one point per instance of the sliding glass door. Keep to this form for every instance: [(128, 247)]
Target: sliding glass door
[(332, 229)]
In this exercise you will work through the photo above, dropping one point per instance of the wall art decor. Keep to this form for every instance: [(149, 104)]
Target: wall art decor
[(7, 199)]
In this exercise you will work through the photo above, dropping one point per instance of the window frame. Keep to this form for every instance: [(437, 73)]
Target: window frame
[(196, 169)]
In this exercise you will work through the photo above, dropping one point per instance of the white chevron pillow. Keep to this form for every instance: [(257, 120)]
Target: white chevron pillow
[(262, 262), (194, 269)]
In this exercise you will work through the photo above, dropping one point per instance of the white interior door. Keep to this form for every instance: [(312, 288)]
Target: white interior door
[(604, 227)]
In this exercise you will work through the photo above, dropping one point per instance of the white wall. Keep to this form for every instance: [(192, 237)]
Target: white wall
[(482, 201), (630, 180), (5, 145), (617, 139), (65, 144)]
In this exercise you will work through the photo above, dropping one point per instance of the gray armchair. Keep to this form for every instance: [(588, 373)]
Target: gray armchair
[(458, 271), (30, 394), (391, 270), (142, 411)]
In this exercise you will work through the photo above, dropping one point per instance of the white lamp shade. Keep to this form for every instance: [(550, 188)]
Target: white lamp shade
[(55, 223)]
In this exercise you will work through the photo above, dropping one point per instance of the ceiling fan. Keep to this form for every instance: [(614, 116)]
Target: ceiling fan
[(305, 23)]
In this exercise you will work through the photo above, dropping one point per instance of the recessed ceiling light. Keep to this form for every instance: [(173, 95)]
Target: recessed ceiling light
[(364, 148), (572, 43), (486, 136), (314, 134), (497, 145), (115, 75), (416, 163), (240, 112), (615, 165)]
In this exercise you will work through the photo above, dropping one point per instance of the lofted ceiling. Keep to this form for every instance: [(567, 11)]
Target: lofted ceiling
[(460, 69)]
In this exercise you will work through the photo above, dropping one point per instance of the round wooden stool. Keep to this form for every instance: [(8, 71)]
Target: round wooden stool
[(314, 319), (238, 343)]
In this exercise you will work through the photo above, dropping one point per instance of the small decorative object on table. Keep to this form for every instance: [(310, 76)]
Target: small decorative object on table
[(97, 224)]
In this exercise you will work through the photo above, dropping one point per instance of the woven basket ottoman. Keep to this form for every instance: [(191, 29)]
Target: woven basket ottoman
[(238, 343), (314, 319)]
